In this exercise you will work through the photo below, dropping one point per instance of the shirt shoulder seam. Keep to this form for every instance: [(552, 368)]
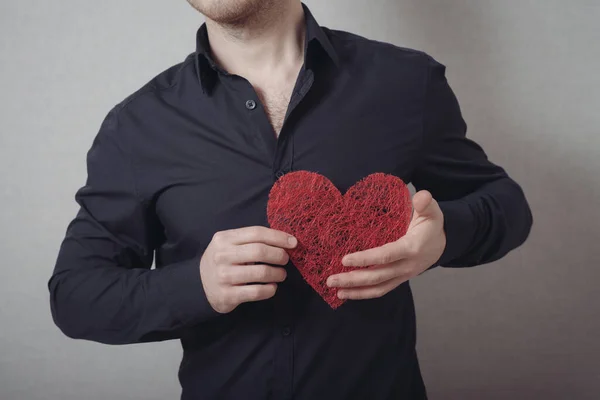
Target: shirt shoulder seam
[(357, 38), (151, 87)]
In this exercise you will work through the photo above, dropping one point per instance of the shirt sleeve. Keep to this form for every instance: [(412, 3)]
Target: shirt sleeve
[(102, 287), (486, 214)]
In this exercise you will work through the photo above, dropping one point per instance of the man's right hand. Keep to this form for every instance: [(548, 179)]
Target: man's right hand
[(233, 269)]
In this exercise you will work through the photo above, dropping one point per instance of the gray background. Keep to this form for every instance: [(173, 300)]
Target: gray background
[(527, 74)]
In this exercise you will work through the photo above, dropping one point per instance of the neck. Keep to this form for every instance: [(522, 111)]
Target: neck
[(270, 39)]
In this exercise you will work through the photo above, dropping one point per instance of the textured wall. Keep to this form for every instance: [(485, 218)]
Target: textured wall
[(526, 75)]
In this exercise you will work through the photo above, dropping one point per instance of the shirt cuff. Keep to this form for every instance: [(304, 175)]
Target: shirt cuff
[(184, 292), (459, 226)]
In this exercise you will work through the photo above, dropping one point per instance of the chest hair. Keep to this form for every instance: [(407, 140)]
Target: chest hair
[(275, 101)]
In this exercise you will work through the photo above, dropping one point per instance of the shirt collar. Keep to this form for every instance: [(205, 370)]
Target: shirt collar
[(315, 33), (207, 68)]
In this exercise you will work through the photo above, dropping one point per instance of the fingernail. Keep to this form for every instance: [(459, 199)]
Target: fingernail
[(331, 282), (341, 295), (292, 241)]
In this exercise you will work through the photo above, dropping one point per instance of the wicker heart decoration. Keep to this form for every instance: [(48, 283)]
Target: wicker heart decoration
[(328, 225)]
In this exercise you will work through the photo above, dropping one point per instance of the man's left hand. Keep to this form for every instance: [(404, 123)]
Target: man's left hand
[(395, 262)]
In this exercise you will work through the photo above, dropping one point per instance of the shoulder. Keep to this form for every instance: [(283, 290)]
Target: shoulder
[(133, 117), (356, 49), (158, 87)]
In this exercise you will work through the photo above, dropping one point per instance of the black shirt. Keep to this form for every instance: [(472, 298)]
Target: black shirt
[(192, 153)]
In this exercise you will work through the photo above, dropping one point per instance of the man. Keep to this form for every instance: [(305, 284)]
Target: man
[(180, 173)]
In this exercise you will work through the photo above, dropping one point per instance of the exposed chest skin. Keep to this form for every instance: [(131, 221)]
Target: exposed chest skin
[(275, 93), (275, 100)]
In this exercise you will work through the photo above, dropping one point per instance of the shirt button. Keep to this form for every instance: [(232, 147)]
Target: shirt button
[(280, 173), (286, 331), (250, 104)]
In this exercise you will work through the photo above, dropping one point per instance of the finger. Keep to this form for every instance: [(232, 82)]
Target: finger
[(364, 277), (372, 292), (248, 293), (421, 200), (260, 234), (385, 254), (253, 253), (425, 205), (258, 273)]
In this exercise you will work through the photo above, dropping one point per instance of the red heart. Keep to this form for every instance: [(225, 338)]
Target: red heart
[(375, 211)]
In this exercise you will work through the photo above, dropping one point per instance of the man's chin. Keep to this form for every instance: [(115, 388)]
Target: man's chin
[(229, 12)]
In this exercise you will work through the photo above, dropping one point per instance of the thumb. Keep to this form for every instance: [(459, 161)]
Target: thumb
[(423, 204)]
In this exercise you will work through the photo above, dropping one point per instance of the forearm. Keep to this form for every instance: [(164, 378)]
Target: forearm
[(486, 224), (115, 305)]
